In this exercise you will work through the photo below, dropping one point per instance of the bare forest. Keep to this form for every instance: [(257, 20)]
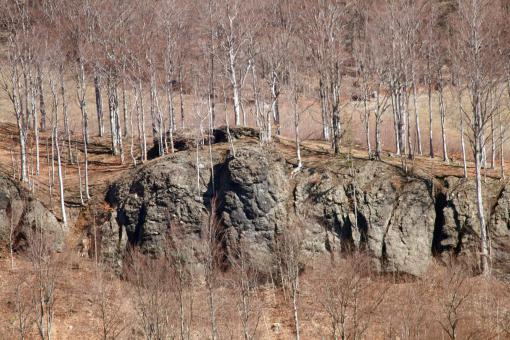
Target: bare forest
[(220, 95)]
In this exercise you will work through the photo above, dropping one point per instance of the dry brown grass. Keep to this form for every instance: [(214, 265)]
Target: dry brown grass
[(410, 308)]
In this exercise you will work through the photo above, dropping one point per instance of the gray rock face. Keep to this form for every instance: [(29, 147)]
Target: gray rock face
[(163, 195), (339, 206), (374, 210), (21, 212), (255, 190)]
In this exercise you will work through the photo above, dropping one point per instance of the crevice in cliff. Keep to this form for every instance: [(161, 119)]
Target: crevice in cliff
[(387, 226), (440, 203), (136, 237)]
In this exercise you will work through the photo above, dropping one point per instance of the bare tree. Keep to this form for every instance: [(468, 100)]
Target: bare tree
[(46, 269), (246, 279), (112, 322), (350, 297), (454, 295), (479, 67), (24, 320), (290, 261), (151, 295), (211, 238)]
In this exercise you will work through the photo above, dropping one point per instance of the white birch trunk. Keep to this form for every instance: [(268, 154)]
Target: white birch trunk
[(60, 178)]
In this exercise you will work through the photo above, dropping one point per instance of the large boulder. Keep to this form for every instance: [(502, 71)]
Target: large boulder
[(165, 195), (339, 205), (21, 214)]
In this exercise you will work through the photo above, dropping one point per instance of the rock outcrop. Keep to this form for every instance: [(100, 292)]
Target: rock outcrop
[(21, 213), (401, 221)]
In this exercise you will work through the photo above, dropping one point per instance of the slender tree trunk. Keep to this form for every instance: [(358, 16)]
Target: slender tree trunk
[(112, 109), (484, 253), (256, 99), (324, 109), (462, 141), (18, 110), (431, 143), (171, 114), (236, 94), (181, 94), (211, 67), (416, 116), (85, 123), (125, 105), (493, 143), (335, 96), (405, 104), (80, 184), (141, 123), (366, 119), (99, 104), (131, 129), (67, 130), (501, 151), (442, 113), (60, 178), (275, 93), (295, 311), (394, 104), (36, 127), (42, 105), (296, 127)]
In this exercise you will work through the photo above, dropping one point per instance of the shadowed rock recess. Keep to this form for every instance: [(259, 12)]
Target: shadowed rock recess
[(402, 221)]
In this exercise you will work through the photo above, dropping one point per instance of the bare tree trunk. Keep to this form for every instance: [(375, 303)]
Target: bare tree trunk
[(462, 142), (395, 121), (16, 101), (60, 178), (324, 109), (112, 109), (67, 131), (501, 151), (431, 143), (416, 116), (36, 126), (229, 136), (493, 144), (171, 114), (295, 108), (366, 121), (295, 313), (275, 93), (141, 123), (125, 105), (256, 98), (484, 252), (79, 176), (85, 123), (42, 105), (181, 93), (99, 104), (236, 94), (442, 114), (211, 64), (131, 128), (335, 96), (8, 212)]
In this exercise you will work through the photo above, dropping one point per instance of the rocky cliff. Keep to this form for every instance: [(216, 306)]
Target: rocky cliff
[(337, 205)]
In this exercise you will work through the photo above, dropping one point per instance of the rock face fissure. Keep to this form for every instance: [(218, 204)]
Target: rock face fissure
[(337, 206), (440, 204)]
